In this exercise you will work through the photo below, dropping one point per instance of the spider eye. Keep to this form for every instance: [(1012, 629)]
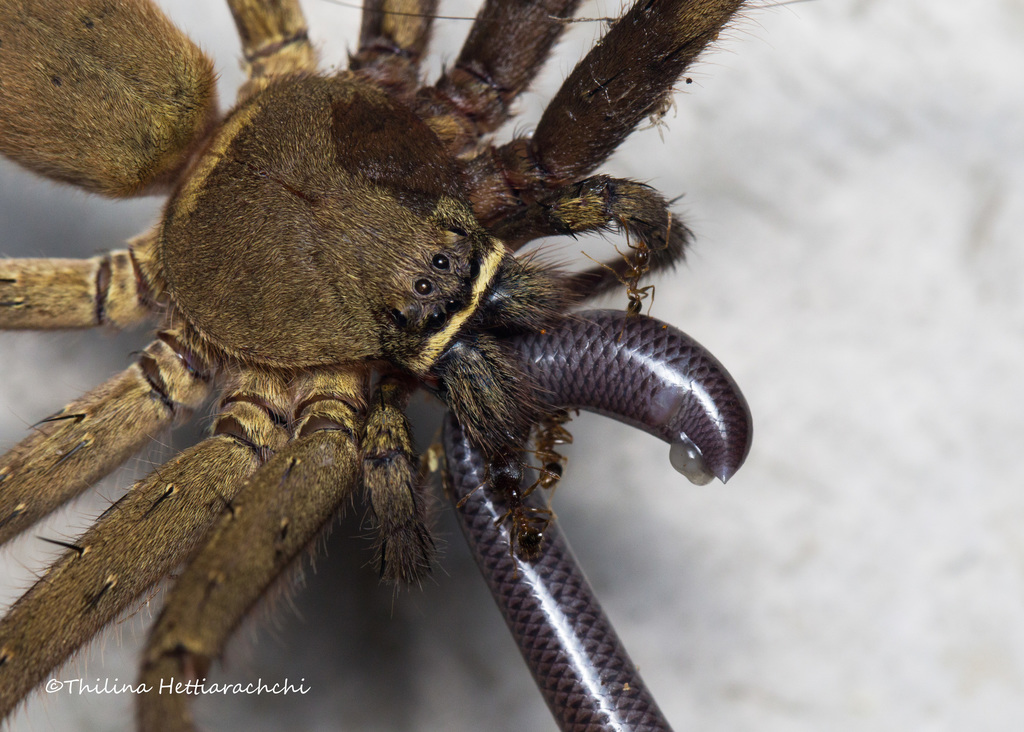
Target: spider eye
[(451, 306), (436, 320), (440, 261), (424, 287), (456, 229), (474, 269), (400, 320)]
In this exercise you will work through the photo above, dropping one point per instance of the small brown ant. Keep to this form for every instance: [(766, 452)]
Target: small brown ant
[(528, 523), (550, 434), (637, 266)]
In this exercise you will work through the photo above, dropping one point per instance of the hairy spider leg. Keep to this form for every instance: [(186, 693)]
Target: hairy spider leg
[(392, 39), (275, 41), (603, 100), (45, 294), (110, 97), (73, 449), (140, 539), (506, 46), (276, 514), (71, 131), (601, 203), (394, 487), (96, 578), (539, 184)]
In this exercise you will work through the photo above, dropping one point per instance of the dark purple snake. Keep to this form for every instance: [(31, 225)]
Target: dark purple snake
[(644, 373)]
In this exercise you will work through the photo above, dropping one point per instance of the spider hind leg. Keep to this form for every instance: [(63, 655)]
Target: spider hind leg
[(46, 294), (73, 449), (137, 541), (275, 515)]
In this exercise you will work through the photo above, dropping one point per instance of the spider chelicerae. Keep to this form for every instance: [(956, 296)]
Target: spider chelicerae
[(330, 244)]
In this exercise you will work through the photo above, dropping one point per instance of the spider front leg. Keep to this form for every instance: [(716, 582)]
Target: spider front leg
[(605, 97), (393, 487), (278, 512), (601, 203), (540, 185), (503, 53), (139, 539)]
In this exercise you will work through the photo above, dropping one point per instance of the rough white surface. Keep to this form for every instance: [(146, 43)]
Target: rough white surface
[(853, 170)]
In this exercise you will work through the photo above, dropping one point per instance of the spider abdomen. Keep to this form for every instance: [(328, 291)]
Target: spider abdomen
[(109, 96)]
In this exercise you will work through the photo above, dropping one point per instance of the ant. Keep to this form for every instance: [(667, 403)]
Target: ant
[(526, 523), (637, 266), (529, 523), (550, 434)]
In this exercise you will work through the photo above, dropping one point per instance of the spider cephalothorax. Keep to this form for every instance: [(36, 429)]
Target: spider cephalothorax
[(330, 244), (326, 224)]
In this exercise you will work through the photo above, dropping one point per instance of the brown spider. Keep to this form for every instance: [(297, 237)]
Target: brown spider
[(330, 244)]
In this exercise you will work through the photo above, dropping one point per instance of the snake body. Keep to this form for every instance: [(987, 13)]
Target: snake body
[(644, 373)]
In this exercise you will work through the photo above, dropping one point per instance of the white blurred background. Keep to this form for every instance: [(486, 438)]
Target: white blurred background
[(853, 170)]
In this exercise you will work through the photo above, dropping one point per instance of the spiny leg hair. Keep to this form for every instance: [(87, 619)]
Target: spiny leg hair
[(139, 539), (73, 449), (275, 515)]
